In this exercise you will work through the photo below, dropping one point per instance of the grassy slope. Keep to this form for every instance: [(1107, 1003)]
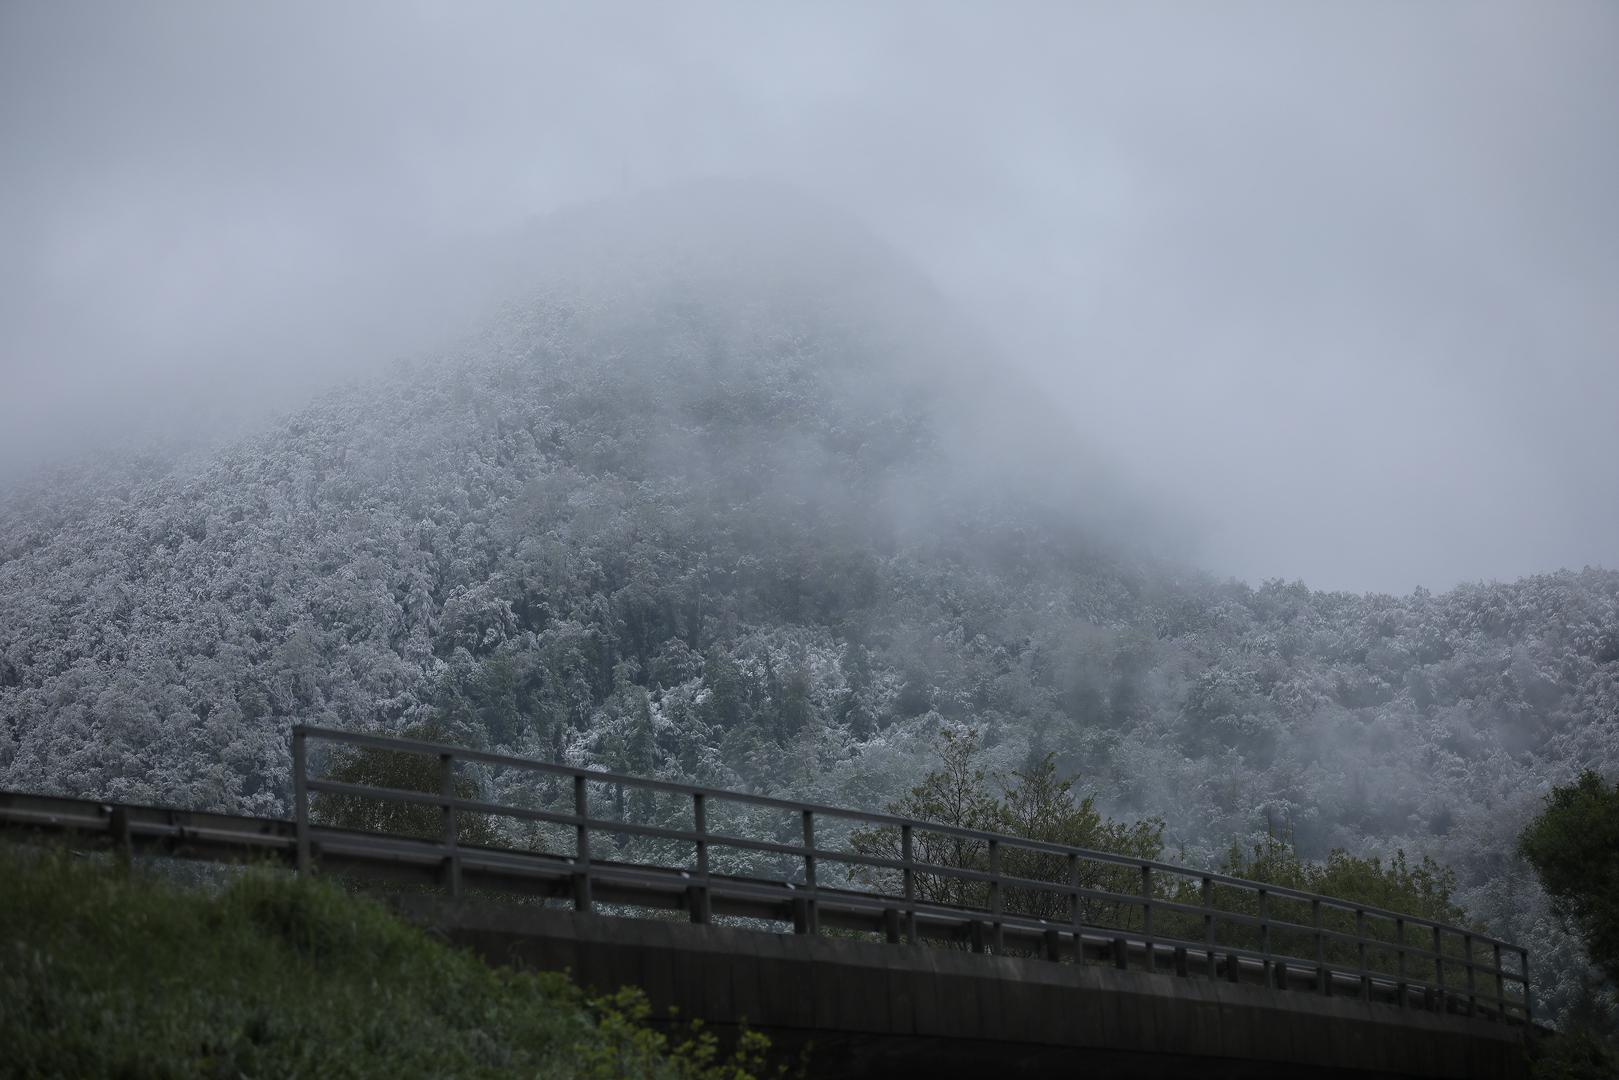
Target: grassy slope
[(105, 973)]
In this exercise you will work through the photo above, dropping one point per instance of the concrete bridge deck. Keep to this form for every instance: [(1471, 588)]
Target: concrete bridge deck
[(876, 1010)]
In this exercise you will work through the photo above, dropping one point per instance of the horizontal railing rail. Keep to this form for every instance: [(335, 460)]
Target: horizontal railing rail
[(1164, 913)]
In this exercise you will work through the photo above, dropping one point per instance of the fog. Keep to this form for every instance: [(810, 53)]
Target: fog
[(1339, 282)]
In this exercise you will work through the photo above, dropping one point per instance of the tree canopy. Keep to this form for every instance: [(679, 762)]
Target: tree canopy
[(1574, 847)]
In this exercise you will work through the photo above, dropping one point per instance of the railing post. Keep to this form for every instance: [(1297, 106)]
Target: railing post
[(1360, 950), (300, 799), (1528, 1011), (452, 858), (1074, 907), (699, 819), (1500, 986), (801, 915), (1400, 984), (1146, 918), (1264, 932), (1472, 990), (1208, 923), (996, 939), (1321, 971), (581, 877), (699, 893), (910, 882), (813, 914), (1439, 967)]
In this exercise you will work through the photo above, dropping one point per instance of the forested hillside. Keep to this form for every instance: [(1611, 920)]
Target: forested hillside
[(757, 511)]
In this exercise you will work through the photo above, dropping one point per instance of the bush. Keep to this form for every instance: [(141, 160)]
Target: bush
[(1033, 804), (1574, 848), (114, 972), (401, 770)]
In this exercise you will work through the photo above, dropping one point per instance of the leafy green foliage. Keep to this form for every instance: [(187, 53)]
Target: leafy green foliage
[(1574, 846), (1032, 803), (110, 973), (1578, 1054), (401, 771), (957, 793), (1036, 804), (627, 1043), (1423, 890)]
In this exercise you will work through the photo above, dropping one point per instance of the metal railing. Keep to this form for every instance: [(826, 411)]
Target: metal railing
[(1001, 893)]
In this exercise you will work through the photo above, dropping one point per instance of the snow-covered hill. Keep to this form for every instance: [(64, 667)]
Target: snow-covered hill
[(725, 492)]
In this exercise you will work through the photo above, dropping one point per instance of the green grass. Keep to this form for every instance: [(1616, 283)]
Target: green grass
[(112, 972)]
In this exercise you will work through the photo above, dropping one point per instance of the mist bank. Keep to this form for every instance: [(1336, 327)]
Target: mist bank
[(1338, 282)]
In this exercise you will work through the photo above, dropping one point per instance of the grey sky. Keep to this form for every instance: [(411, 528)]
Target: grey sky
[(1341, 279)]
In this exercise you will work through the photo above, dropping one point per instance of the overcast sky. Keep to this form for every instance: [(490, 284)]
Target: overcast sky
[(1341, 280)]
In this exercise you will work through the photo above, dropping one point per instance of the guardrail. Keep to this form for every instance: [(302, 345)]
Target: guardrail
[(1097, 906)]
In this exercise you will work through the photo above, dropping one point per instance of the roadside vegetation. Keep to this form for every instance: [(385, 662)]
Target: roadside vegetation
[(1573, 844), (1035, 803), (107, 970)]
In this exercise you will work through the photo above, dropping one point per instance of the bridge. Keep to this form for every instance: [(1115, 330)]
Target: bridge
[(890, 944)]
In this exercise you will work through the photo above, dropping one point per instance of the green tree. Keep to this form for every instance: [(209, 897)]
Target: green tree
[(1422, 889), (1573, 844), (1034, 804), (727, 705), (1574, 847), (795, 711), (857, 709), (403, 771), (957, 793), (628, 742)]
